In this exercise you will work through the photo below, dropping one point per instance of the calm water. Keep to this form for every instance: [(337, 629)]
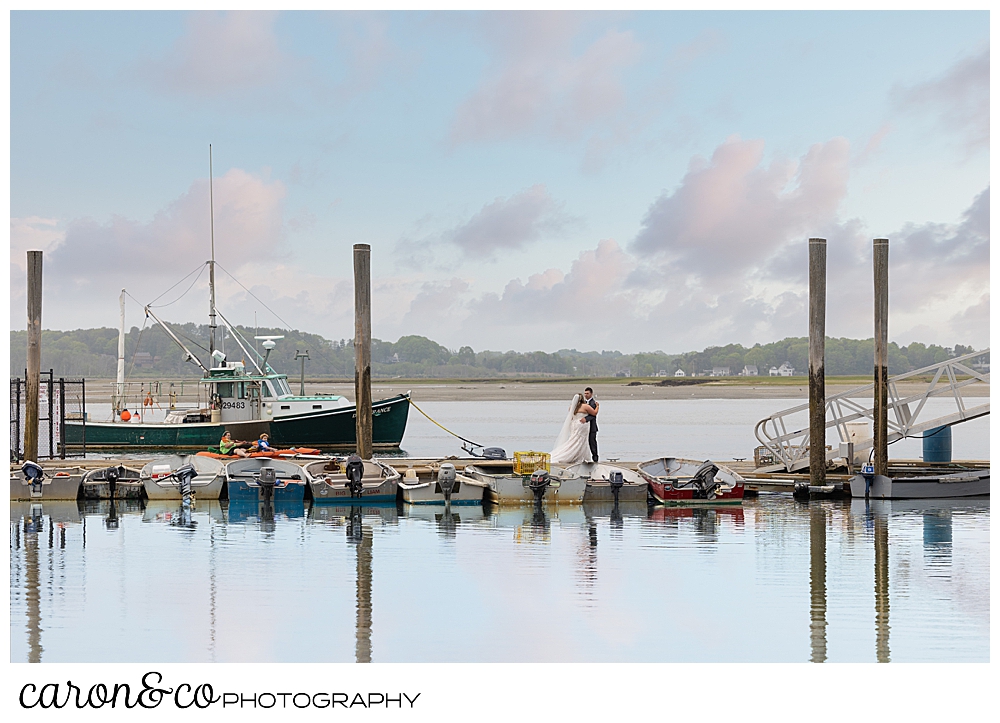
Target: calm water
[(631, 429), (775, 580)]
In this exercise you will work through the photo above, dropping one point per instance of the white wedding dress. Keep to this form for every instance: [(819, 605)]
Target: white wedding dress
[(572, 442)]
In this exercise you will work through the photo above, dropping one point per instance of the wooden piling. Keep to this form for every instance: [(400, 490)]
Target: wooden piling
[(363, 349), (817, 370), (33, 373), (880, 256)]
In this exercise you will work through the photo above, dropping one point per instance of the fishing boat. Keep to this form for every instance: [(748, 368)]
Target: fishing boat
[(675, 481), (243, 401), (599, 475), (965, 483), (118, 483), (461, 489), (564, 487), (329, 482), (160, 483), (250, 480)]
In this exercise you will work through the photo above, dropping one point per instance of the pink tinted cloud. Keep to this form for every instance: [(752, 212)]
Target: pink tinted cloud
[(959, 100), (510, 223), (732, 211), (539, 84), (248, 222), (221, 53)]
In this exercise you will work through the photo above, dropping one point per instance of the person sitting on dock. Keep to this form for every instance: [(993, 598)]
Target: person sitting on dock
[(261, 445), (228, 446)]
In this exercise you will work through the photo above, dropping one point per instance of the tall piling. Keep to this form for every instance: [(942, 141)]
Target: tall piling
[(33, 373), (880, 259), (817, 370), (363, 349)]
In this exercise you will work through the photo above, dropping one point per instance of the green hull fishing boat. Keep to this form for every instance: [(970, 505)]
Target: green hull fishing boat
[(332, 429), (238, 400)]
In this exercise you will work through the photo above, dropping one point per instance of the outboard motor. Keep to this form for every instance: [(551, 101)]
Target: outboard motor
[(355, 471), (538, 483), (494, 453), (184, 475), (446, 481), (617, 480), (704, 480), (267, 480), (111, 476), (34, 473)]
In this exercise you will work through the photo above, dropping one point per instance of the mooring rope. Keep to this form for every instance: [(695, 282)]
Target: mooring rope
[(469, 441)]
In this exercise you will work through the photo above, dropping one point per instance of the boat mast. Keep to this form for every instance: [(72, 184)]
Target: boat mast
[(190, 357), (120, 378), (211, 264)]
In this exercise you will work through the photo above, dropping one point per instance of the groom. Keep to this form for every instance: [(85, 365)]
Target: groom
[(588, 398)]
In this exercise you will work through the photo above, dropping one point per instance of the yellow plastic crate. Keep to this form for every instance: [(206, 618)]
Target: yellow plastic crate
[(528, 462)]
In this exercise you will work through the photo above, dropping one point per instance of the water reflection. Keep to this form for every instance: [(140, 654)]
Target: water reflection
[(360, 535), (817, 583), (599, 565)]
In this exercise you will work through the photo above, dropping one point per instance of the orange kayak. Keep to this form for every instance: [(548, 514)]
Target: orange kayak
[(272, 453)]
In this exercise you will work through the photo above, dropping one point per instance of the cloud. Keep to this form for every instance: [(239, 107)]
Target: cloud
[(731, 212), (959, 100), (538, 84), (149, 257), (221, 54), (510, 223)]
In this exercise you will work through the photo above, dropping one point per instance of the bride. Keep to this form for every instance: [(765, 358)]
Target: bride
[(571, 444)]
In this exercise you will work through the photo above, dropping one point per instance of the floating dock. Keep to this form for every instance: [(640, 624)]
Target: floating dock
[(427, 466)]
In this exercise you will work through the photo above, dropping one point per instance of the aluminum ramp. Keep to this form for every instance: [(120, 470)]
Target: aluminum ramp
[(791, 448)]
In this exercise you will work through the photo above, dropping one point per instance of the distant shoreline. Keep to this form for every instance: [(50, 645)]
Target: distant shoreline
[(543, 389)]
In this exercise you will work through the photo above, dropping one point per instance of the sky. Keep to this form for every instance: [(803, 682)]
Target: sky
[(636, 181)]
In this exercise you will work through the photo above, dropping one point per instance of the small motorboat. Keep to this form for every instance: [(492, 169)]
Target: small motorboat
[(599, 477), (107, 483), (965, 483), (341, 480), (675, 481), (160, 483), (36, 483), (563, 487), (447, 486), (261, 478)]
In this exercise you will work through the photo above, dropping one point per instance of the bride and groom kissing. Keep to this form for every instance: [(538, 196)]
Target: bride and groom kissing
[(579, 429)]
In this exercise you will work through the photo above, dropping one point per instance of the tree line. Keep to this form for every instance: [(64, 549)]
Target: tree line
[(149, 352)]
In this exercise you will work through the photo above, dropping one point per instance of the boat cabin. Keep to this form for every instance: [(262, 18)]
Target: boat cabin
[(240, 396)]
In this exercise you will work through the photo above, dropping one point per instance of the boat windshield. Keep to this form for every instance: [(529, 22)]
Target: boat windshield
[(281, 385)]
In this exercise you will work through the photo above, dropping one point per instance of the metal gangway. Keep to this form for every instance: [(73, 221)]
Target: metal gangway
[(906, 415)]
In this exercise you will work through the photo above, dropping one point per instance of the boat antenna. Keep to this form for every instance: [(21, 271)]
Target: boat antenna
[(211, 264)]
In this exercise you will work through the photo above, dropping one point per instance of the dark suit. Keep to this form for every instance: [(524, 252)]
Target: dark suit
[(593, 427)]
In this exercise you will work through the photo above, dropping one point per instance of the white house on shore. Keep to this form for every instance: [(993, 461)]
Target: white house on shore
[(680, 373), (749, 371), (785, 370)]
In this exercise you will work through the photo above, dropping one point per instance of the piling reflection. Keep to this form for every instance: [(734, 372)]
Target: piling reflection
[(33, 525), (360, 535), (881, 525), (817, 582)]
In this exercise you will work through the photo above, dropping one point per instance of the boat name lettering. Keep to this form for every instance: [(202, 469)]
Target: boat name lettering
[(234, 405)]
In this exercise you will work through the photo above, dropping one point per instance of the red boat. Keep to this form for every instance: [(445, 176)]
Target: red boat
[(675, 481)]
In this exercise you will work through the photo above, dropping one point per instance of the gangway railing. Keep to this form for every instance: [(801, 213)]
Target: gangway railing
[(791, 448)]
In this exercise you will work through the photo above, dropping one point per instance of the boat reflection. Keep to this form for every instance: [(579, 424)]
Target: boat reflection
[(266, 512), (112, 510), (175, 513), (341, 514), (447, 518), (704, 521)]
